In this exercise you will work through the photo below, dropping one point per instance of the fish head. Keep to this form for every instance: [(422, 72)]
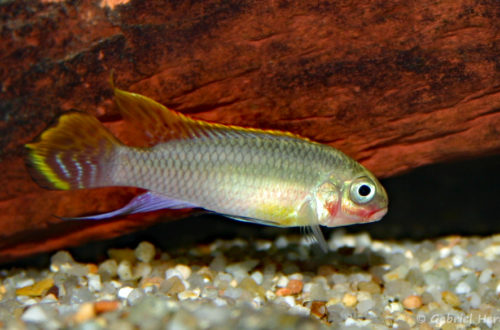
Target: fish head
[(359, 200)]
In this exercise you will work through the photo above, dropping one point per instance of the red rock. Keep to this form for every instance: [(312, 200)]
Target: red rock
[(105, 306), (392, 85), (283, 292), (295, 286)]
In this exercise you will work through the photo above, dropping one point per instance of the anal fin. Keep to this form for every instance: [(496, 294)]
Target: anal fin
[(146, 202)]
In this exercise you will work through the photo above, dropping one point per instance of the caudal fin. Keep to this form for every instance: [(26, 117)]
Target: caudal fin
[(75, 153)]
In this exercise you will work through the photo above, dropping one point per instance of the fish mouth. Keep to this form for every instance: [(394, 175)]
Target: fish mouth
[(378, 214)]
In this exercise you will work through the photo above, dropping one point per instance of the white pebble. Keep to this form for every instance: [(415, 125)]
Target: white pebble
[(116, 284), (270, 295), (457, 260), (219, 302), (281, 242), (427, 265), (393, 307), (35, 314), (124, 292), (189, 294), (365, 305), (485, 276), (444, 252), (289, 300), (184, 270), (24, 282), (26, 301), (357, 323), (171, 272), (456, 274), (233, 293), (125, 271), (142, 270), (282, 282), (475, 300), (498, 288), (363, 240), (263, 245), (307, 287), (363, 295), (300, 310), (296, 276), (134, 296), (145, 252), (492, 252), (257, 277), (258, 302), (462, 288), (347, 240), (94, 282)]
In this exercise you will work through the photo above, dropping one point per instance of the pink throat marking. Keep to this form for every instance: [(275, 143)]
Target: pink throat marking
[(332, 208)]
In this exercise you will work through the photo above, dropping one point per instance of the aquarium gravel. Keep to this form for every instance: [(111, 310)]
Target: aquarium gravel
[(451, 282)]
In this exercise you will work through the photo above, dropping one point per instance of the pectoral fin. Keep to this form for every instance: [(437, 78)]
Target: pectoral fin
[(309, 217), (252, 220), (146, 202)]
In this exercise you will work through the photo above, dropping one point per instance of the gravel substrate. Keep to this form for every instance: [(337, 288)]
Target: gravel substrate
[(448, 283)]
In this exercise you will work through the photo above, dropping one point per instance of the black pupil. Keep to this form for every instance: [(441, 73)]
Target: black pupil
[(364, 190)]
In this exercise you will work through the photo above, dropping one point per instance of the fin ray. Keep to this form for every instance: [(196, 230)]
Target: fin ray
[(146, 202), (251, 220)]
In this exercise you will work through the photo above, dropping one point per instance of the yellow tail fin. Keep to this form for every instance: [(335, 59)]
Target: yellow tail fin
[(75, 153)]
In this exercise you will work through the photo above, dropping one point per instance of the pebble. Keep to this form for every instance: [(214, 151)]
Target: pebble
[(124, 292), (295, 286), (172, 285), (485, 276), (145, 252), (124, 271), (412, 302), (85, 312), (189, 294), (349, 300), (262, 284), (364, 306), (283, 292), (108, 267), (35, 314), (184, 270), (462, 288), (318, 308), (370, 287), (451, 299), (94, 283), (105, 306), (36, 289), (257, 277), (250, 285)]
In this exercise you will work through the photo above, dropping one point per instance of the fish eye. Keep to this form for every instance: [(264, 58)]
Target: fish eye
[(362, 191)]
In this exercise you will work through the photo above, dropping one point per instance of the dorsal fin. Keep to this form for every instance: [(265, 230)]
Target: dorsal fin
[(160, 124)]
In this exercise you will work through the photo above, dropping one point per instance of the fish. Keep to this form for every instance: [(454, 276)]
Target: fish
[(267, 177)]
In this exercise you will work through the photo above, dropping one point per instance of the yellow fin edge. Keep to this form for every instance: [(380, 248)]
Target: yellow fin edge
[(38, 161)]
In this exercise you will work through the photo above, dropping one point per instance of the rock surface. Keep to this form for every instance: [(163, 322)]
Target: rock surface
[(396, 86)]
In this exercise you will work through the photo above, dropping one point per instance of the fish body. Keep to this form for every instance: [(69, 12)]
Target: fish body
[(262, 176)]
